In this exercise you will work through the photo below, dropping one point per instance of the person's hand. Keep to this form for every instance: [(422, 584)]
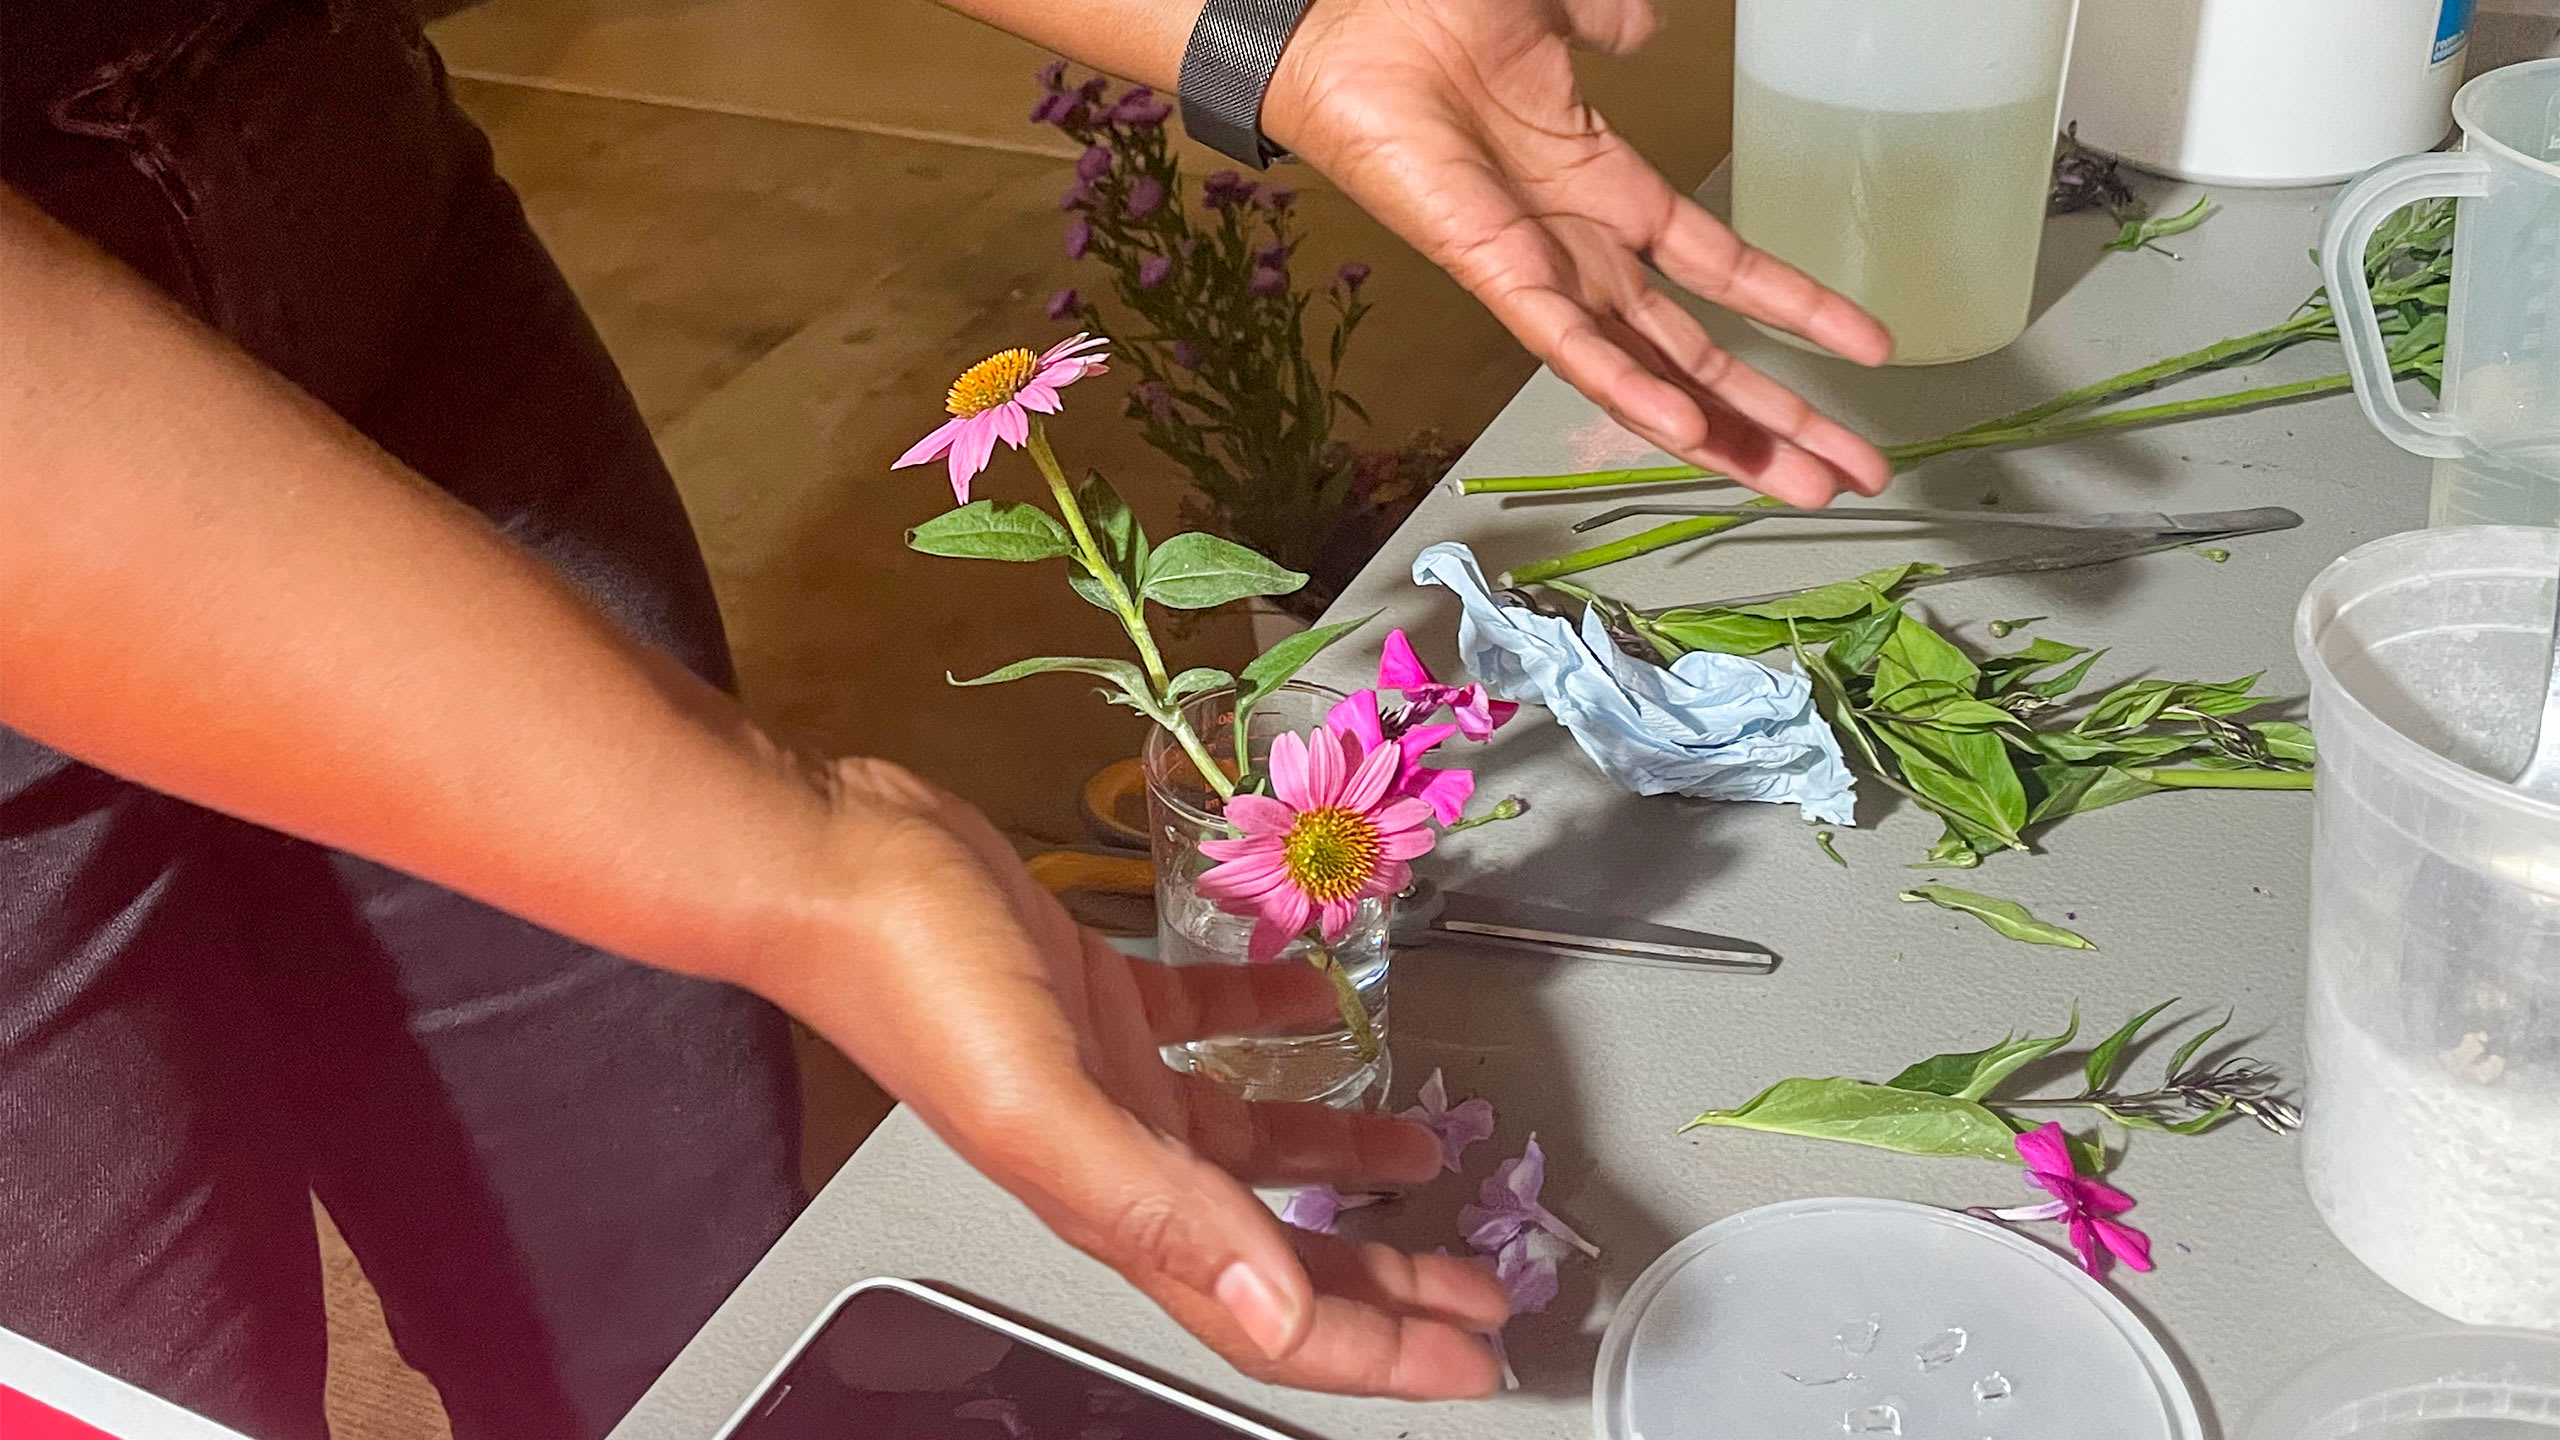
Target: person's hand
[(1458, 123), (1029, 1044)]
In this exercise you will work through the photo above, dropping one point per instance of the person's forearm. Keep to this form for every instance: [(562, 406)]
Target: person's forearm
[(1138, 40), (211, 585)]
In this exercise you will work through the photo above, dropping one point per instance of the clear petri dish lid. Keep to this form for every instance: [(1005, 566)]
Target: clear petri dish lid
[(1878, 1318)]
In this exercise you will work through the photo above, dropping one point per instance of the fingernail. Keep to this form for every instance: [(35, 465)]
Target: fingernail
[(1266, 1315)]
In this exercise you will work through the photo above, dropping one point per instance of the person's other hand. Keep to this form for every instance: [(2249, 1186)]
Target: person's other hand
[(1459, 123), (1030, 1045)]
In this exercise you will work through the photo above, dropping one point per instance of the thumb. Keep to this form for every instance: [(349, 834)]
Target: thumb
[(1145, 1204)]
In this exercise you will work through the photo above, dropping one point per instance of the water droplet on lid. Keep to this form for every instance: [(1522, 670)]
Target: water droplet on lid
[(1991, 1388), (1941, 1348), (1857, 1337), (1824, 1376), (1871, 1420)]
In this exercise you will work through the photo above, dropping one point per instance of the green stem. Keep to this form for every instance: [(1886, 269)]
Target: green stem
[(2256, 346), (1355, 1016), (1132, 614), (2186, 779), (1660, 536)]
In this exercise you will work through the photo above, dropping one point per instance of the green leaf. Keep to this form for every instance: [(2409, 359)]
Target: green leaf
[(2187, 1052), (2130, 707), (2006, 916), (1726, 632), (1276, 666), (1970, 774), (993, 530), (1841, 599), (2101, 1065), (1855, 646), (1913, 653), (1194, 571), (1954, 851), (2138, 233), (1909, 1121), (1122, 539), (1119, 672), (2192, 1125), (1199, 680), (1975, 1073), (2073, 747), (2078, 789), (2286, 740)]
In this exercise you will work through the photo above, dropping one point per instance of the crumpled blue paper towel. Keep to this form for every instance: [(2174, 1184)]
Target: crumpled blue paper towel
[(1716, 726)]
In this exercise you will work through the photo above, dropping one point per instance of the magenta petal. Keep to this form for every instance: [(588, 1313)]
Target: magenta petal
[(1039, 396), (1334, 918), (1398, 667), (1012, 426), (1406, 844), (1257, 815), (1402, 813), (1240, 848), (1288, 763), (2127, 1244), (1244, 881), (1288, 909), (1368, 783), (1326, 770), (2102, 1197), (1357, 715), (1267, 943), (2084, 1239), (1446, 792), (1390, 878), (1419, 740), (2044, 1149), (932, 446)]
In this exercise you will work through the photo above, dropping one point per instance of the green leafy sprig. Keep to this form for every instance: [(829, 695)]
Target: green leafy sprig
[(1115, 569), (1955, 1104)]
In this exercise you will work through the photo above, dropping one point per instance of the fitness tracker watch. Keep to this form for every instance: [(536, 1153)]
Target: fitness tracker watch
[(1235, 46)]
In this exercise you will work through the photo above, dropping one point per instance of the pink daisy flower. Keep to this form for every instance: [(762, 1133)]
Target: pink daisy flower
[(1329, 836), (994, 399), (1445, 791), (2080, 1200)]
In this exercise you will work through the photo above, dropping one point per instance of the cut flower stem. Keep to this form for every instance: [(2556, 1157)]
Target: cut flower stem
[(1346, 996)]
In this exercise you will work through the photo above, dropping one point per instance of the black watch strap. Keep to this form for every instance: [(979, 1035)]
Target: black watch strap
[(1235, 47)]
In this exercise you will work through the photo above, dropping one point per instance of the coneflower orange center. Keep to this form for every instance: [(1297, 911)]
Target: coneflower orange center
[(991, 382), (1331, 853)]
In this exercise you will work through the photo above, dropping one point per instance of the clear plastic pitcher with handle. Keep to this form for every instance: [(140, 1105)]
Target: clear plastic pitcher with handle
[(2496, 436)]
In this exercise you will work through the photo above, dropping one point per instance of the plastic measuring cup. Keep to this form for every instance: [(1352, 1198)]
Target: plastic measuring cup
[(2496, 439), (2432, 1137), (2440, 1385), (1899, 151)]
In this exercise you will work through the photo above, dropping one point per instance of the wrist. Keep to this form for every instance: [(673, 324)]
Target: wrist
[(1230, 64)]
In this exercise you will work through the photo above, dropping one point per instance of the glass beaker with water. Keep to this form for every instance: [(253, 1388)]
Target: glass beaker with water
[(2496, 438), (1899, 151)]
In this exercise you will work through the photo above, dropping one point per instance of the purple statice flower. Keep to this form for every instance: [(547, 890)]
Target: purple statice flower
[(1052, 109), (1154, 270), (1276, 198), (1529, 1279), (1508, 1207), (1186, 354), (1156, 397), (1268, 281), (1272, 256), (1053, 76), (1319, 1208), (1092, 91), (1063, 304), (1079, 115), (1458, 1126), (1146, 197), (1140, 108), (1354, 274), (1079, 237), (1079, 196), (1226, 190), (1094, 163)]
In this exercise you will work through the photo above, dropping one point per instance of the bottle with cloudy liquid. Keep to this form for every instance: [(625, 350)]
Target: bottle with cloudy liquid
[(1900, 152)]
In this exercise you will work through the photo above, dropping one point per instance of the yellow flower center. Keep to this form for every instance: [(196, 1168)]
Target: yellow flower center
[(1331, 853), (991, 382)]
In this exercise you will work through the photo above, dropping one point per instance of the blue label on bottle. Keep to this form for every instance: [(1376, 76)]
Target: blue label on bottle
[(2453, 30)]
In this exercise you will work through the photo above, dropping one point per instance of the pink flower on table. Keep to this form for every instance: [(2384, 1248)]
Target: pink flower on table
[(1508, 1210), (2082, 1201), (1458, 1126), (1445, 791), (1330, 835), (994, 400), (1399, 669)]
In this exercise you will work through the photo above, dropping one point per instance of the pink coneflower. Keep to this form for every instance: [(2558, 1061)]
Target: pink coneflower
[(993, 400), (1328, 837), (2081, 1201)]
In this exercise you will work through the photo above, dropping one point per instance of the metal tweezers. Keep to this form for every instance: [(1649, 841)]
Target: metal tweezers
[(2107, 536)]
